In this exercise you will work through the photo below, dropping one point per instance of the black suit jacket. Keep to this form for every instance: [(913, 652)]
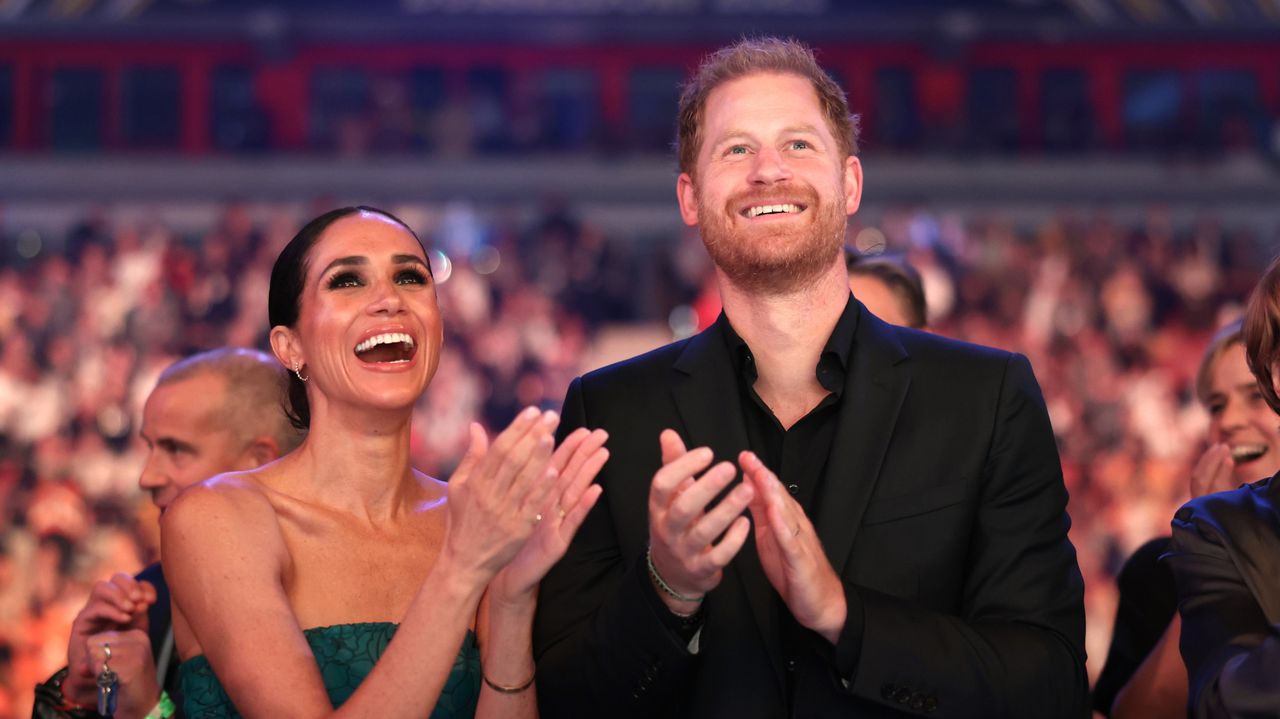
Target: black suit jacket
[(159, 621), (942, 509), (1225, 557)]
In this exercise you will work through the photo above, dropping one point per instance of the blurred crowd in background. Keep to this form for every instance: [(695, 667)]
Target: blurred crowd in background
[(294, 98), (1113, 316)]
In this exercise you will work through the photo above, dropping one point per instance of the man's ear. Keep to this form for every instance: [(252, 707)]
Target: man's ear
[(261, 450), (687, 195), (852, 184), (284, 345)]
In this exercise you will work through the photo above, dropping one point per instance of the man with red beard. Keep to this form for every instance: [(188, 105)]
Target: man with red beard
[(808, 512)]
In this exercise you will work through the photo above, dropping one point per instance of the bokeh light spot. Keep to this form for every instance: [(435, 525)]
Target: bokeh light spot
[(486, 260), (441, 266)]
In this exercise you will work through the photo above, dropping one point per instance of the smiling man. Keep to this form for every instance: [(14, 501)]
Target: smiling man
[(808, 512), (214, 412)]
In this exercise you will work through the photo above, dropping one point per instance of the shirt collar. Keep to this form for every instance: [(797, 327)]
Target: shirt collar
[(833, 364)]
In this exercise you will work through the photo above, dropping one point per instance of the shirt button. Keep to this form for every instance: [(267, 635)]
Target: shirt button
[(794, 489), (791, 665)]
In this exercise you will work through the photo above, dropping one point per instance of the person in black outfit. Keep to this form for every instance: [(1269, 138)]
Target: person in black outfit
[(1225, 557), (885, 533), (1144, 676)]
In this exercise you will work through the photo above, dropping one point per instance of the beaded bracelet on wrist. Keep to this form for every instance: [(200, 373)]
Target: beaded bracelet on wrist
[(666, 588)]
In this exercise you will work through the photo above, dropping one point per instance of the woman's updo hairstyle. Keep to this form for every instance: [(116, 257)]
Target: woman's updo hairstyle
[(289, 276)]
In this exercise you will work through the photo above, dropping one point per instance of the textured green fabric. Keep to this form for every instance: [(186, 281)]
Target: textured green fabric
[(345, 654)]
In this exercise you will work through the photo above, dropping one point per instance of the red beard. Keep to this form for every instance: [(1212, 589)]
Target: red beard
[(774, 258)]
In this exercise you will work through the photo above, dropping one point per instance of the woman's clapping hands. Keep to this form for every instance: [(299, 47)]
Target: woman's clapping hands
[(514, 504), (576, 462)]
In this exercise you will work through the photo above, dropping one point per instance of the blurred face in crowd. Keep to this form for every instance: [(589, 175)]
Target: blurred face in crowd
[(772, 190), (880, 299), (1240, 417), (189, 436), (369, 330)]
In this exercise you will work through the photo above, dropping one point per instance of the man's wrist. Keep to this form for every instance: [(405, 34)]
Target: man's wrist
[(682, 623), (832, 626), (680, 604)]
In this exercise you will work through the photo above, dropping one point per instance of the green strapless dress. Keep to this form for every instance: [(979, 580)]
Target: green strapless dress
[(345, 654)]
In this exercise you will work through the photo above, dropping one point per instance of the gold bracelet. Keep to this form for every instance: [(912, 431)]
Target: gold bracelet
[(502, 689)]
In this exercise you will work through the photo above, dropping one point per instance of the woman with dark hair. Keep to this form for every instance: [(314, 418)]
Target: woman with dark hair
[(1225, 558), (339, 576)]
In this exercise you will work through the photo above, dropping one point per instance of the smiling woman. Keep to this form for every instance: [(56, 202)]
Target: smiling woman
[(1144, 676), (1225, 558), (278, 573), (344, 272), (1242, 426)]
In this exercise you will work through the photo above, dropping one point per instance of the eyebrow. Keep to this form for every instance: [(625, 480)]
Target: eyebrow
[(358, 260), (352, 261), (166, 440), (408, 260), (732, 134), (806, 129)]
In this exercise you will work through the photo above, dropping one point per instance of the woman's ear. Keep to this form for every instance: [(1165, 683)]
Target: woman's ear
[(284, 344)]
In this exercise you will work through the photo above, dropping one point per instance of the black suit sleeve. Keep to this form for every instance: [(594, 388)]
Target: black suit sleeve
[(1016, 646), (603, 648), (1232, 653), (158, 618), (159, 621)]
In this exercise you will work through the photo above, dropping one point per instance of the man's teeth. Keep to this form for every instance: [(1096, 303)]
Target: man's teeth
[(1247, 452), (771, 210), (384, 339)]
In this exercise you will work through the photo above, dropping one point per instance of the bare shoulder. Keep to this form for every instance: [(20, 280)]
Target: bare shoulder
[(222, 547), (228, 512), (232, 497)]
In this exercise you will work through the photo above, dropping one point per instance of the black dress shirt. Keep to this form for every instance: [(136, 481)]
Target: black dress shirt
[(798, 456)]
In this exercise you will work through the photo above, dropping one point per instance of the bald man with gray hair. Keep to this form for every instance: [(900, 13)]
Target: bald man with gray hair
[(214, 412)]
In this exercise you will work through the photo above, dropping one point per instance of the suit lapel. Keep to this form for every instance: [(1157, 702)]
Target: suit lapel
[(705, 389), (874, 388)]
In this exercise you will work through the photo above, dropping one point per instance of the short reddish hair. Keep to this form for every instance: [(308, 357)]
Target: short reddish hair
[(748, 57), (1262, 332)]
